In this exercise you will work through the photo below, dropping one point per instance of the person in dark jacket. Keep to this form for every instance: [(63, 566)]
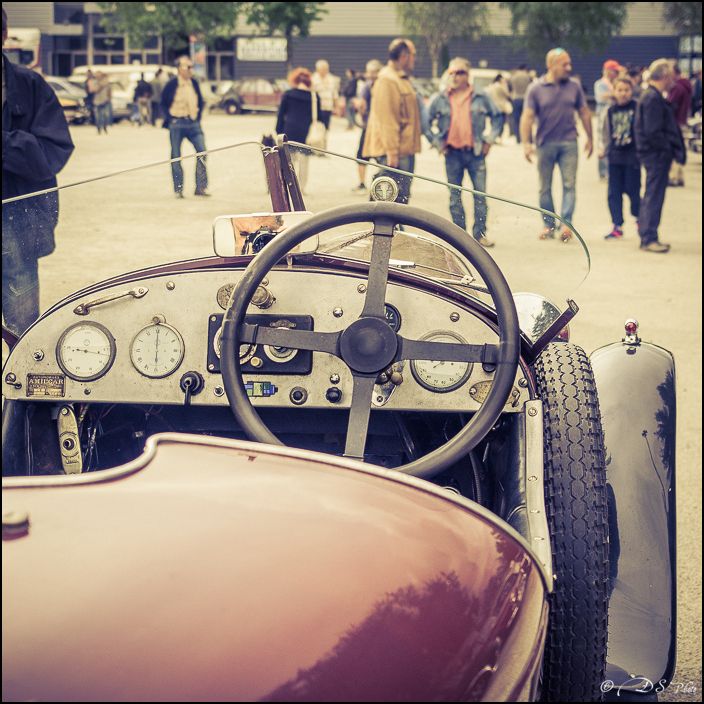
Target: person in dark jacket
[(296, 116), (658, 142), (36, 145), (181, 108), (679, 98)]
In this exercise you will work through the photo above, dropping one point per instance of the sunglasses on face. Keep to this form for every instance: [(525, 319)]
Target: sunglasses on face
[(459, 72)]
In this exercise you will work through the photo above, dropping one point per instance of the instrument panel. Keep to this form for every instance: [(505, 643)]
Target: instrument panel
[(162, 345)]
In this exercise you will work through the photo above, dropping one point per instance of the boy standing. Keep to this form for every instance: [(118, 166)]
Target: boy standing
[(620, 150)]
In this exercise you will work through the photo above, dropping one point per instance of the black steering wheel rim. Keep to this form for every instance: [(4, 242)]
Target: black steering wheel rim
[(385, 217)]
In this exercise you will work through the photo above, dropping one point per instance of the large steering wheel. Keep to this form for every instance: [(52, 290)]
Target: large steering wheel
[(369, 346)]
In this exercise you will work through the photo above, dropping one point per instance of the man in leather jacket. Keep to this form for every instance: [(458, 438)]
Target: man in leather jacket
[(36, 145), (658, 142)]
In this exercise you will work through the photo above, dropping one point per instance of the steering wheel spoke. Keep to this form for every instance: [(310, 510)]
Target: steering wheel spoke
[(359, 416), (378, 269), (295, 339), (445, 351)]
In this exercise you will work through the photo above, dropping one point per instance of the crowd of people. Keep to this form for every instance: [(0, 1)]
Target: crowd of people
[(146, 106), (640, 117)]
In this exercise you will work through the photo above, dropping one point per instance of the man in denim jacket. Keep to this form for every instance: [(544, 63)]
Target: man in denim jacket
[(460, 114)]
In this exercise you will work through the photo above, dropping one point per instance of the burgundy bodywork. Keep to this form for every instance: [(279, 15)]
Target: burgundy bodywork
[(222, 570)]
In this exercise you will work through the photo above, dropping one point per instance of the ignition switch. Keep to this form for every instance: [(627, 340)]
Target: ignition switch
[(191, 384)]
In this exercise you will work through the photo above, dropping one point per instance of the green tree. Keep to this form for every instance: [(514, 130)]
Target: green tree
[(290, 18), (586, 26), (174, 21), (439, 22), (685, 17)]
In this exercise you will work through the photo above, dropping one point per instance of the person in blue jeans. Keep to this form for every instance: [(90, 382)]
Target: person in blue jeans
[(36, 145), (604, 94), (459, 116), (553, 100), (182, 107), (619, 148)]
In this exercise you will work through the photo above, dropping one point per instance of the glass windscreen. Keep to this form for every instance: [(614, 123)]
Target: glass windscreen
[(131, 220)]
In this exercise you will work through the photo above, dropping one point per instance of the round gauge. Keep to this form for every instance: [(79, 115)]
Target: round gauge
[(393, 317), (441, 376), (223, 295), (246, 350), (157, 350), (384, 188), (86, 351)]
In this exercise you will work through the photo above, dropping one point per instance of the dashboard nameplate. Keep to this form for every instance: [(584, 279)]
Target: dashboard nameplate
[(46, 385)]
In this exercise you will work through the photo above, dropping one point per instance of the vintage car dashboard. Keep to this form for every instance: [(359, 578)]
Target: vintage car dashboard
[(155, 340)]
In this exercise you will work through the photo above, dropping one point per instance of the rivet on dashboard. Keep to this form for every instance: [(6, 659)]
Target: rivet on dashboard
[(265, 282), (334, 378), (532, 478), (337, 312), (256, 362), (454, 317), (86, 392), (523, 382), (64, 411), (170, 285), (213, 318), (218, 390), (10, 378), (38, 355), (211, 367), (532, 412), (361, 288)]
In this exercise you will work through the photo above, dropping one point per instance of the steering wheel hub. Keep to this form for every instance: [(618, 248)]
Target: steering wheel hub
[(368, 345)]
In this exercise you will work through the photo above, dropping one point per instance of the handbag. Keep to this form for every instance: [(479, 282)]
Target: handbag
[(316, 131)]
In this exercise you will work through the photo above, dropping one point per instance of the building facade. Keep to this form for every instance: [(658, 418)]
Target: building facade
[(348, 36)]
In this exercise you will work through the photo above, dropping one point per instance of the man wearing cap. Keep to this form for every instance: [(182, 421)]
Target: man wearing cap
[(603, 93)]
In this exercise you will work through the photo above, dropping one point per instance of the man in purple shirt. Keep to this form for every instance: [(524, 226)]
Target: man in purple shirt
[(553, 100)]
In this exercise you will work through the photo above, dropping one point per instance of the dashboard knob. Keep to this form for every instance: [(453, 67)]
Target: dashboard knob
[(333, 395)]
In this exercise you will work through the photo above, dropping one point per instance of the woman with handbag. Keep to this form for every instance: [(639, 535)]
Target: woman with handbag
[(297, 118)]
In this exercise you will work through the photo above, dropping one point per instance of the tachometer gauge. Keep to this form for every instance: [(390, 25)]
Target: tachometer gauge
[(441, 376), (86, 351), (157, 350)]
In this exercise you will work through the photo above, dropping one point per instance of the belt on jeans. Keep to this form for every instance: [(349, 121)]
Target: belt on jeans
[(460, 149)]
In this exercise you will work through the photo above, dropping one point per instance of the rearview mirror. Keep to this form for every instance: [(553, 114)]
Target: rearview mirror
[(236, 235)]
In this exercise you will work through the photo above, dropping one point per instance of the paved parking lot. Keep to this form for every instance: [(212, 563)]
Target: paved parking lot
[(663, 292)]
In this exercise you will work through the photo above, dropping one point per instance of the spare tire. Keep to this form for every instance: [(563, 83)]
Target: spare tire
[(574, 664)]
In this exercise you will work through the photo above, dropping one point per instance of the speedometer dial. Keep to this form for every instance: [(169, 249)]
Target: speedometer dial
[(86, 351), (157, 350), (441, 376)]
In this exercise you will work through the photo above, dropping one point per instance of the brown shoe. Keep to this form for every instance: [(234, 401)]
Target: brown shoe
[(657, 247), (566, 234)]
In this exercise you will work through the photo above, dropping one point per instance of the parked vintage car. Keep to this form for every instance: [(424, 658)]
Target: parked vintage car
[(72, 99), (347, 458), (251, 95)]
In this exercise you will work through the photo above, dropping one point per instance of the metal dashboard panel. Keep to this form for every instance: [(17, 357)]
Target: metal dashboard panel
[(187, 300)]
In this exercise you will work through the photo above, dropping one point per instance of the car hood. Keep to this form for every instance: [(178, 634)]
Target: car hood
[(211, 569)]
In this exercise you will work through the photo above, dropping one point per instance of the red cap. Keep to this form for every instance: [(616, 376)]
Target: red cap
[(611, 64)]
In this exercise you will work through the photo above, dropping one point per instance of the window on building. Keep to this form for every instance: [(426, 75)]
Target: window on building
[(109, 43)]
